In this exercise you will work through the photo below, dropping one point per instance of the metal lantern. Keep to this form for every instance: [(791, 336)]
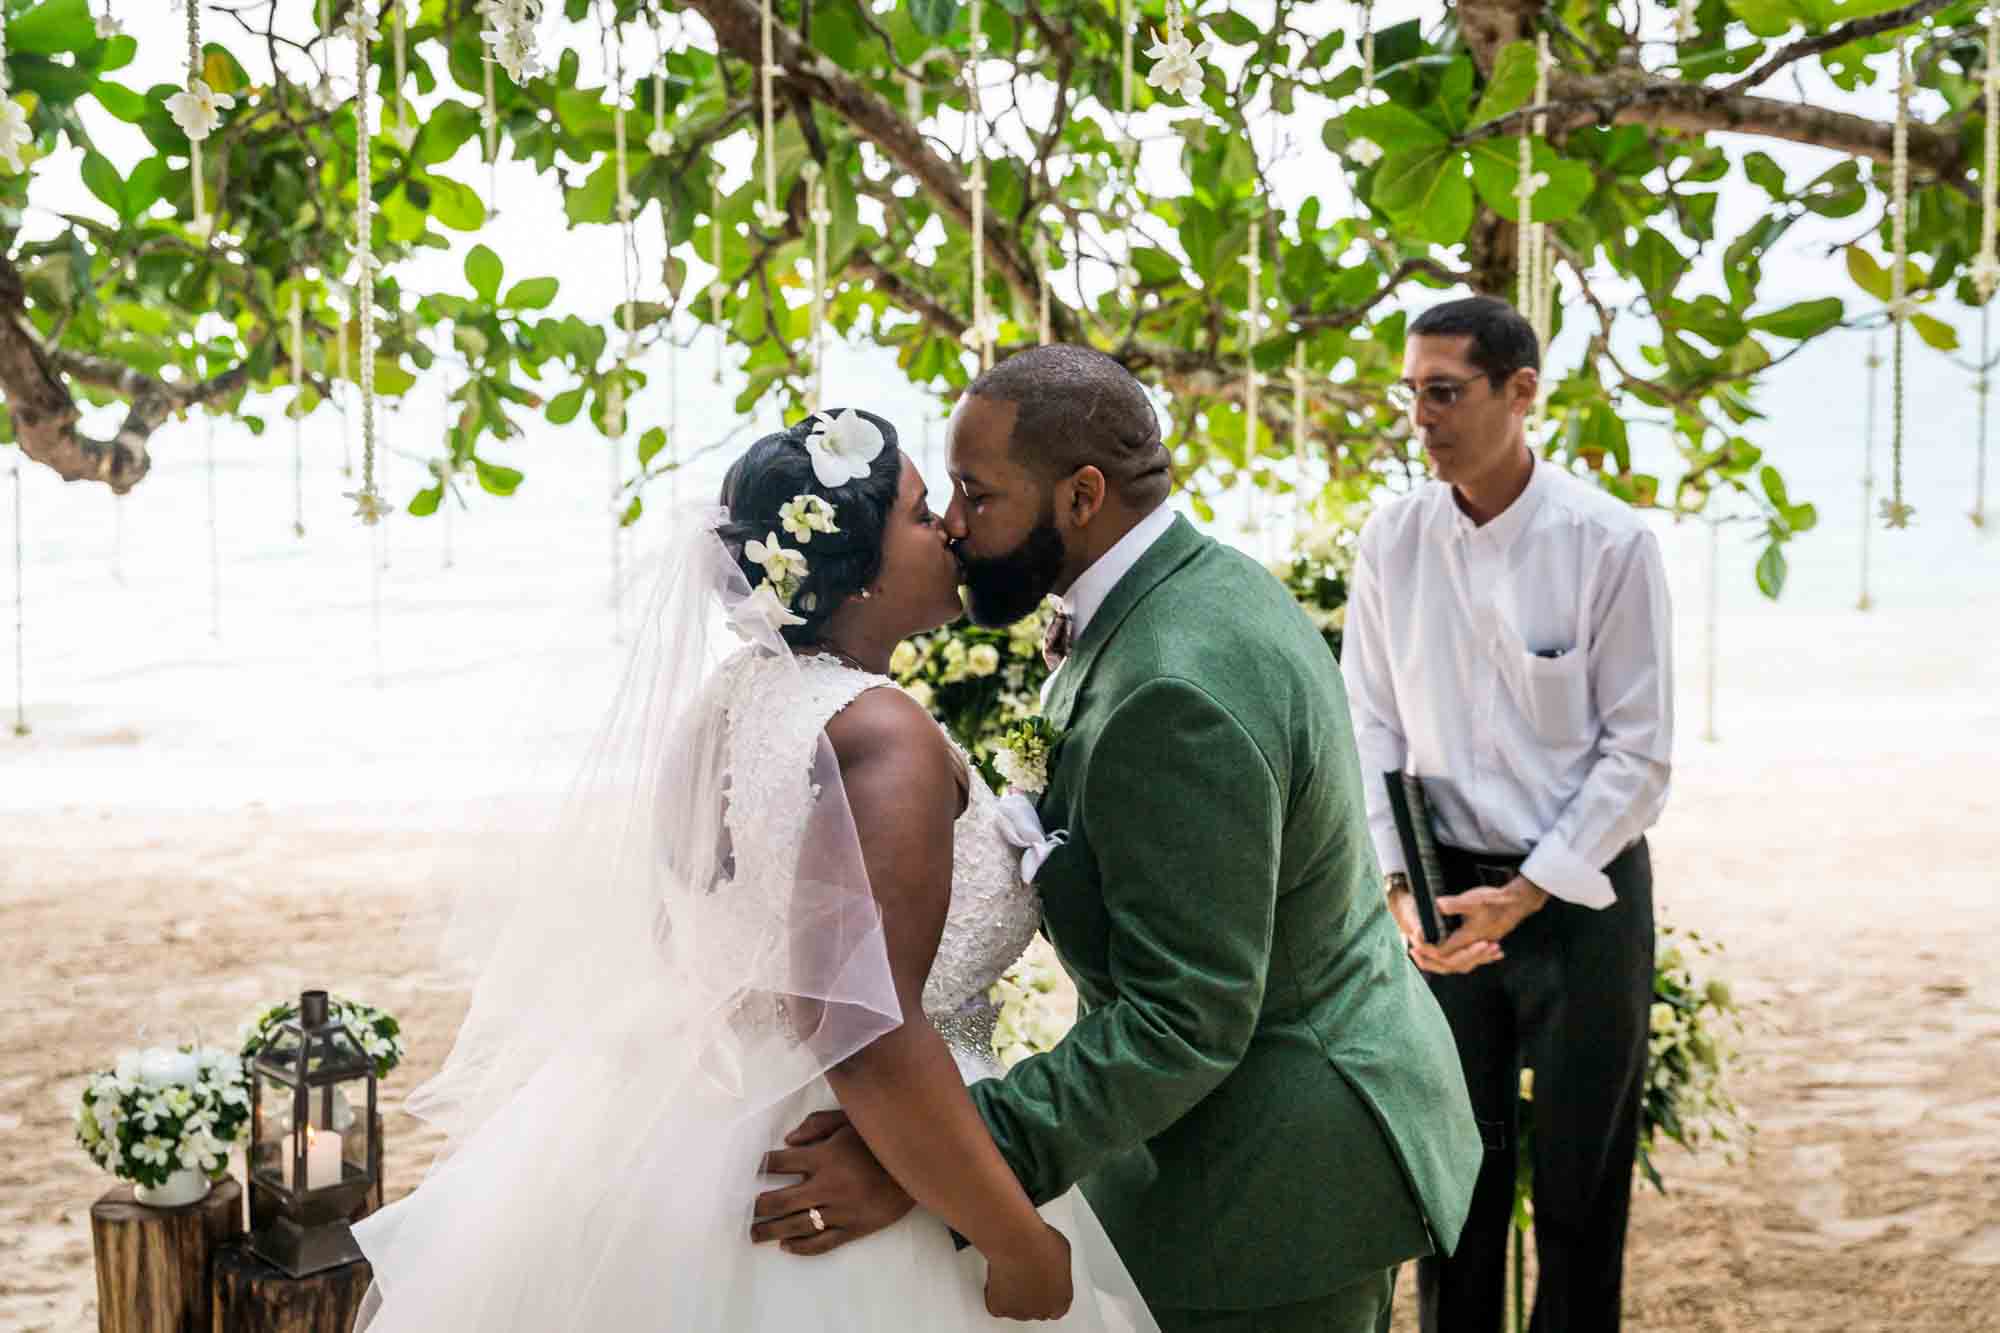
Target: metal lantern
[(308, 1173)]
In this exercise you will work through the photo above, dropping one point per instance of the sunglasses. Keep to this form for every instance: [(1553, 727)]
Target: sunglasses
[(1440, 394)]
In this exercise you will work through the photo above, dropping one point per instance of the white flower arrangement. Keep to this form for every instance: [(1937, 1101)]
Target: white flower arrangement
[(375, 1031), (784, 570), (804, 515), (198, 109), (1022, 756), (1037, 1005), (161, 1111), (762, 613), (842, 446)]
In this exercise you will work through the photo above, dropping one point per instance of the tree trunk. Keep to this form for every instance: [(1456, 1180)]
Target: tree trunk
[(152, 1263), (250, 1296)]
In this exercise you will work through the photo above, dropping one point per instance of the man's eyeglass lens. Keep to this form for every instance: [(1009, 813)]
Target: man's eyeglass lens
[(1441, 394)]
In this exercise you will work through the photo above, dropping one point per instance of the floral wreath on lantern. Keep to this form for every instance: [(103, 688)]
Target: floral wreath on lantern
[(375, 1031), (162, 1111)]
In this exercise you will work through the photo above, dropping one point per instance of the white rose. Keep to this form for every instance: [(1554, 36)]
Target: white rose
[(984, 659), (922, 693), (904, 660)]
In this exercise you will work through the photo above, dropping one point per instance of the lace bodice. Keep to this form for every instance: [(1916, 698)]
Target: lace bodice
[(776, 715)]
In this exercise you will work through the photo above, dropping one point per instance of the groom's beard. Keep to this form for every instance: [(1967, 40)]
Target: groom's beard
[(1002, 589)]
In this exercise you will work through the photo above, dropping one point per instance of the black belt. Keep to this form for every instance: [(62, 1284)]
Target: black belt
[(1494, 869)]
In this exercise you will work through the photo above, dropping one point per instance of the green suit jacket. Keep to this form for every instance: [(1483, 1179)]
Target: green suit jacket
[(1260, 1098)]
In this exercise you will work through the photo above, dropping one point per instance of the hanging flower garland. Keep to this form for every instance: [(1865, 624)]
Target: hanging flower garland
[(659, 143), (510, 33), (406, 133), (1042, 286), (1684, 20), (108, 25), (983, 331), (821, 217), (715, 285), (1874, 366), (197, 109), (369, 505), (345, 377), (298, 323), (15, 133), (1367, 52), (1252, 320), (1177, 68), (1896, 513), (1537, 270), (768, 216), (1986, 272)]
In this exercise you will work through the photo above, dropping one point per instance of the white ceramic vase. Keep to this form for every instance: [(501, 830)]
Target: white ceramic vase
[(183, 1187)]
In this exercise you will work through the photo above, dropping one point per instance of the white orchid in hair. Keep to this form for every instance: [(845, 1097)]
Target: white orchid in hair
[(843, 445), (762, 613), (804, 515), (782, 567)]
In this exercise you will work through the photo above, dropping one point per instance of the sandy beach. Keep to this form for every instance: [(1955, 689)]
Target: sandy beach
[(1850, 879)]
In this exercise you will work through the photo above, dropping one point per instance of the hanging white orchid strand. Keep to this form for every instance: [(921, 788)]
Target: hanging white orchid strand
[(1895, 512), (1874, 365), (659, 143), (1042, 285), (15, 132), (1367, 52), (715, 284), (20, 597), (369, 506), (1986, 272), (197, 109), (1177, 69), (346, 375), (613, 36), (298, 322), (406, 133), (1539, 275), (510, 37), (982, 331), (767, 215), (1985, 386), (1252, 319), (1128, 154), (1299, 406), (821, 216), (108, 25)]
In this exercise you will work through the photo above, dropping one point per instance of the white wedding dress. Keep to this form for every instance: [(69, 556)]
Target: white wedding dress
[(614, 1192)]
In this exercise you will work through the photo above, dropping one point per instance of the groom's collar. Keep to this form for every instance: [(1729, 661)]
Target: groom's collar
[(1092, 586), (1169, 550)]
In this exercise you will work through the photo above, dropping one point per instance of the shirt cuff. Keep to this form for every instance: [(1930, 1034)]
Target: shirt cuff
[(1389, 856), (1558, 871)]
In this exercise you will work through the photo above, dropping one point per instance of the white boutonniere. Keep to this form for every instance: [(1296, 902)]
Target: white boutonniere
[(842, 446), (1022, 757)]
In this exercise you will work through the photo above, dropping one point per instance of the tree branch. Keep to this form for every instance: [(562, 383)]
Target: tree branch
[(1832, 39), (45, 415)]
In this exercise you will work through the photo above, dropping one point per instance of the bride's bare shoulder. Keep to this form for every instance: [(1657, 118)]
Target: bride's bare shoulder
[(886, 727)]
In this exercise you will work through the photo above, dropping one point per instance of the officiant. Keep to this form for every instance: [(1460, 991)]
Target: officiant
[(1507, 642)]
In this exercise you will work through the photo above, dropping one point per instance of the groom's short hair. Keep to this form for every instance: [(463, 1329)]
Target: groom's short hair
[(1075, 406)]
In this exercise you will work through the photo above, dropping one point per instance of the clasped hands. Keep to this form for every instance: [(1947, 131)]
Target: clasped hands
[(1486, 917)]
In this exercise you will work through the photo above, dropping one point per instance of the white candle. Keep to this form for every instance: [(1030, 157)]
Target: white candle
[(322, 1161), (160, 1068)]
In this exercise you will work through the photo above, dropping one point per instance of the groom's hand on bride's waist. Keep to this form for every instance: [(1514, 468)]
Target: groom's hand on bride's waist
[(843, 1194)]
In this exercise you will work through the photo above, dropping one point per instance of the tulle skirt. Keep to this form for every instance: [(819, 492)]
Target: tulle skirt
[(614, 1193)]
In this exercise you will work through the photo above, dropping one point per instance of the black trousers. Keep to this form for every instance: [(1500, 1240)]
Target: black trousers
[(1571, 1000)]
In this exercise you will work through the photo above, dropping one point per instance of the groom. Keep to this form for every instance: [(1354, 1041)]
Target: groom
[(1261, 1101)]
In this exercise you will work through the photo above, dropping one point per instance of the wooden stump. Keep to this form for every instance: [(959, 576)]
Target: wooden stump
[(152, 1263), (250, 1296)]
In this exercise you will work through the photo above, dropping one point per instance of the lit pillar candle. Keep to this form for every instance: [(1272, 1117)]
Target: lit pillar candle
[(322, 1160)]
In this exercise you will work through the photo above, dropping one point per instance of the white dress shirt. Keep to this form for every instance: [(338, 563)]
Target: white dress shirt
[(1092, 586), (1523, 669)]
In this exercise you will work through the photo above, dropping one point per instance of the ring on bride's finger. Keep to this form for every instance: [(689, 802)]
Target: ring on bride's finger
[(819, 1223)]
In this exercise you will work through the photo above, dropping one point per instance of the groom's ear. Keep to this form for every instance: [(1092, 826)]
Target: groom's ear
[(1086, 487)]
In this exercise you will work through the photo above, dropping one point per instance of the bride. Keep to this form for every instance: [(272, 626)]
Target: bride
[(776, 888)]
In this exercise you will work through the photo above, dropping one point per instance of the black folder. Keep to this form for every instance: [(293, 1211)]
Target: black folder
[(1420, 853)]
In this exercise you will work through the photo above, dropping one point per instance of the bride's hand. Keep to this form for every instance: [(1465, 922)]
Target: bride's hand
[(1034, 1284)]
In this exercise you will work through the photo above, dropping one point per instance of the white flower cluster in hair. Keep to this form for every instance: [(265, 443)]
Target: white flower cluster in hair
[(510, 31), (160, 1111)]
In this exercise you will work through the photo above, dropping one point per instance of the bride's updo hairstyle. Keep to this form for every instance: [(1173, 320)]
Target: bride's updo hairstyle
[(777, 469)]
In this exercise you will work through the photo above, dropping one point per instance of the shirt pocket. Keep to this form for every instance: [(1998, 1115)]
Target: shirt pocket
[(1555, 695)]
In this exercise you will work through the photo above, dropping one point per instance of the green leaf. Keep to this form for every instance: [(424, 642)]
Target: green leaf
[(565, 405), (1392, 128), (1767, 18), (144, 186), (122, 102), (53, 27), (484, 270), (103, 180), (1512, 83), (1156, 267), (1496, 172), (1231, 28), (1426, 190), (934, 18), (650, 445), (1655, 263), (1766, 174), (425, 502), (531, 294), (1935, 332), (1771, 571), (1805, 319), (632, 512), (1774, 488), (494, 479), (450, 125), (456, 205)]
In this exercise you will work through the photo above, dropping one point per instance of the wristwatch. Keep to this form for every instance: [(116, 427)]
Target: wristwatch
[(1394, 882)]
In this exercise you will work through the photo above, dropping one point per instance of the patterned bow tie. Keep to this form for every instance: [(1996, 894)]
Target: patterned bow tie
[(1055, 640)]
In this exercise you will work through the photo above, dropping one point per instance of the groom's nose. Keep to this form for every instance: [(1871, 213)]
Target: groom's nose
[(954, 517)]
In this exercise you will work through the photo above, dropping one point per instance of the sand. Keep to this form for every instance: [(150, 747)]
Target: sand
[(1857, 906)]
